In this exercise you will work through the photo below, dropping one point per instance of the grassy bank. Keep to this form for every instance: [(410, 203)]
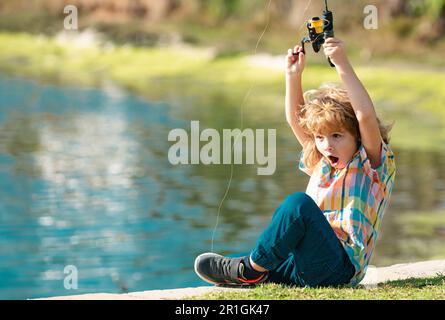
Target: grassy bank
[(176, 73), (426, 288)]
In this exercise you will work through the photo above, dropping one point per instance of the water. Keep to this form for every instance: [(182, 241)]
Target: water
[(85, 181)]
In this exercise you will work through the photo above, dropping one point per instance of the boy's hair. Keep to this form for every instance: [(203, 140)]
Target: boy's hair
[(325, 110)]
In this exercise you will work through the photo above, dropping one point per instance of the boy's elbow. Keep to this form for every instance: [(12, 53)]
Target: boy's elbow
[(366, 114), (291, 120), (288, 119)]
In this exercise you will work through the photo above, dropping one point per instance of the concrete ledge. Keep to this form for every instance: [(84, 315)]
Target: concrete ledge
[(374, 276), (423, 269), (168, 294)]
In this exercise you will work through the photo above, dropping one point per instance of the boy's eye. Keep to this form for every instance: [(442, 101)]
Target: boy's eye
[(336, 135)]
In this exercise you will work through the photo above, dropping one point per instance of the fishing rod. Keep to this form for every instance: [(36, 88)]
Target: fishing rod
[(319, 31)]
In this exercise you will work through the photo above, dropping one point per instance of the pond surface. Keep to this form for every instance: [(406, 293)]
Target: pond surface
[(85, 181)]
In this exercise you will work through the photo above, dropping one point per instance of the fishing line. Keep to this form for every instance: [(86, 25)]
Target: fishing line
[(267, 10), (304, 13)]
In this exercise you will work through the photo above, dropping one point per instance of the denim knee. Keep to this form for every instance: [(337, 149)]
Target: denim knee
[(300, 203), (297, 198)]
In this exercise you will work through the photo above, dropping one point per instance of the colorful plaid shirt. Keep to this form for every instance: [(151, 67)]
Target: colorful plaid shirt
[(354, 200)]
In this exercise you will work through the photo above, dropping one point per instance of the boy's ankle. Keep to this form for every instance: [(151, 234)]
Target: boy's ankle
[(249, 272), (255, 266)]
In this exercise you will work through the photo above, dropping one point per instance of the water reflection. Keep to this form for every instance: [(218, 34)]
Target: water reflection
[(80, 183), (85, 181)]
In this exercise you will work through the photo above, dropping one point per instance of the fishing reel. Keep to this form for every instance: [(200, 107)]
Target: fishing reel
[(319, 31)]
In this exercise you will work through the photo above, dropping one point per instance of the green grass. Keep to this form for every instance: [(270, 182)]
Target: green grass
[(136, 67), (424, 288), (401, 93)]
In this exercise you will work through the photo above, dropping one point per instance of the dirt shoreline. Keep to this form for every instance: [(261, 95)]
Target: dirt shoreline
[(374, 276)]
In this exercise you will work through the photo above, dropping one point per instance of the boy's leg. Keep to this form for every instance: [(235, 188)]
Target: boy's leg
[(299, 247)]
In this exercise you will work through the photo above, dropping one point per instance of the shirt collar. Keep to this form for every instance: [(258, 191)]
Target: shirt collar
[(328, 174)]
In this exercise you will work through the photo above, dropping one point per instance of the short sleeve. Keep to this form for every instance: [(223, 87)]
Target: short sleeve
[(387, 164), (302, 166)]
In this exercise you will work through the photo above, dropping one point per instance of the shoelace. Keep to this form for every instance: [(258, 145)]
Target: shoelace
[(226, 266)]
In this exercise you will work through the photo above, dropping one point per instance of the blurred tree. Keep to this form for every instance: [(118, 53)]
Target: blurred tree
[(396, 7), (432, 12), (425, 19), (435, 9)]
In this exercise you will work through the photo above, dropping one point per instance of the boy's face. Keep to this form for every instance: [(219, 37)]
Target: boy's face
[(337, 147)]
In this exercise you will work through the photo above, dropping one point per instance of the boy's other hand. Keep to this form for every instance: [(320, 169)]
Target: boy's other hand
[(295, 61), (335, 49)]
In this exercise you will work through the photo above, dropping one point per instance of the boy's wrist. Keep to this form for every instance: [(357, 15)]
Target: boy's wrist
[(293, 75), (344, 67)]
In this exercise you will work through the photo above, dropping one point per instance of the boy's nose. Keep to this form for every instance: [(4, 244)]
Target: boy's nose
[(328, 145)]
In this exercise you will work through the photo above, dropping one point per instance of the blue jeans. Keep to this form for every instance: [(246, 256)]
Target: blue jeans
[(300, 248)]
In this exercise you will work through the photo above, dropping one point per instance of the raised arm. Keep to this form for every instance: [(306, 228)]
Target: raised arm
[(360, 100), (294, 92)]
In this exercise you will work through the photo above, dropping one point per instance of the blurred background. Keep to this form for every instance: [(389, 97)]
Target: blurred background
[(85, 114)]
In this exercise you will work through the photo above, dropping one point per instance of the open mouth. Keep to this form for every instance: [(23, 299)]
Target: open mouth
[(333, 160)]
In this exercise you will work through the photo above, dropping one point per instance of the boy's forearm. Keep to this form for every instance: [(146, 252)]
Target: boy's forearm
[(294, 96), (360, 99)]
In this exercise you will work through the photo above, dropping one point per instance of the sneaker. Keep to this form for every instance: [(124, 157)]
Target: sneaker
[(219, 270)]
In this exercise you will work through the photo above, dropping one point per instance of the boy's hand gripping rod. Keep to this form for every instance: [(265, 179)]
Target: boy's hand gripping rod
[(319, 31)]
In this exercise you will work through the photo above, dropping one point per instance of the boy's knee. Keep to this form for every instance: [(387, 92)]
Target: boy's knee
[(301, 203), (297, 198)]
